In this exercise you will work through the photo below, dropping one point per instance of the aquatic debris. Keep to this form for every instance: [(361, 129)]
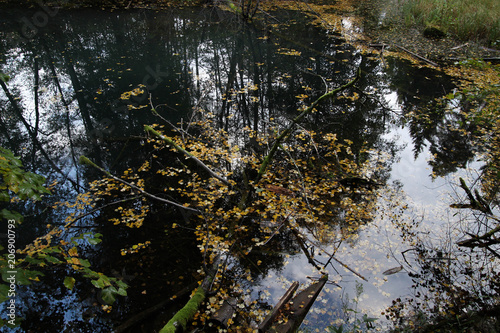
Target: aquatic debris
[(393, 270)]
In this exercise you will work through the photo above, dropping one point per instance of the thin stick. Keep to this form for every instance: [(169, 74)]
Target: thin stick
[(418, 56), (185, 152), (86, 161), (286, 132)]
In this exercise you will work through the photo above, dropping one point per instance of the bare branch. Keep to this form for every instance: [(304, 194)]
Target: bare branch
[(185, 152), (86, 161)]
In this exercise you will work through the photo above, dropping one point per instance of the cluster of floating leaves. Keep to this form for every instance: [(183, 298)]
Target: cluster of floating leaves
[(299, 194)]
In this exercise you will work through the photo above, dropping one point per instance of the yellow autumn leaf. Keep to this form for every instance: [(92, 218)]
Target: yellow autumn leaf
[(73, 252)]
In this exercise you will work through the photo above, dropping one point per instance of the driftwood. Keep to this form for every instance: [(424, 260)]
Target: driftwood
[(287, 315), (271, 317)]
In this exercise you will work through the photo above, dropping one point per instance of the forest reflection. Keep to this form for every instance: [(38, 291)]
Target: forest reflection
[(85, 83)]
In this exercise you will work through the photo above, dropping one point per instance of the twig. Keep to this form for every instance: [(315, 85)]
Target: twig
[(459, 46), (418, 56), (185, 152), (288, 130), (86, 161)]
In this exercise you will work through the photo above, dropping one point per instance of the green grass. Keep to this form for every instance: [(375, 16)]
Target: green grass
[(466, 19)]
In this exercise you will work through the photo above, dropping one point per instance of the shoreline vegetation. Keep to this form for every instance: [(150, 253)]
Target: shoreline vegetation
[(439, 32), (464, 19)]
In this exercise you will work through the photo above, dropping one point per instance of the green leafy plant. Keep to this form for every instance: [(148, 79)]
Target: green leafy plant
[(20, 267), (4, 77), (17, 184)]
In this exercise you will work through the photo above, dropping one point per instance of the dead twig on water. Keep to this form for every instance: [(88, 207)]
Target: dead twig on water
[(417, 56), (86, 161)]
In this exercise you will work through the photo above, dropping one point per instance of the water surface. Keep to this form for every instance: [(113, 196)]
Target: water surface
[(65, 99)]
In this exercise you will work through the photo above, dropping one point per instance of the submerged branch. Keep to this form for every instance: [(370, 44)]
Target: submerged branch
[(86, 161), (180, 320), (141, 316), (286, 132), (481, 241), (185, 152)]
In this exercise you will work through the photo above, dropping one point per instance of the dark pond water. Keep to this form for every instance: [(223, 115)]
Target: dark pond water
[(68, 71)]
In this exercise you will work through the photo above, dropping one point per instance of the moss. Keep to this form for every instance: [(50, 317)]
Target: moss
[(184, 315)]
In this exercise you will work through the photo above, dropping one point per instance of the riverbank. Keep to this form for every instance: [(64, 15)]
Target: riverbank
[(382, 22), (385, 24)]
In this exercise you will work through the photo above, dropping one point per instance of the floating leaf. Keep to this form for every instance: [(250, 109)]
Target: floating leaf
[(69, 282), (393, 270)]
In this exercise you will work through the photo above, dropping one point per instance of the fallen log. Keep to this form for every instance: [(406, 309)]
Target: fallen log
[(271, 317), (221, 318), (287, 315), (179, 321), (152, 310)]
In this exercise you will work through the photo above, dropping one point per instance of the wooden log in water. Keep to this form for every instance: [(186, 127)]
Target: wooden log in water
[(268, 321), (221, 317), (287, 315)]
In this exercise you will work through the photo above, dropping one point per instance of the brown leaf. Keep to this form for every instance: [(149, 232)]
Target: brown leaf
[(393, 270), (280, 190)]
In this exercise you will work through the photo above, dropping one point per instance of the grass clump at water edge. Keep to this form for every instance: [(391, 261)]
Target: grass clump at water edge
[(466, 19)]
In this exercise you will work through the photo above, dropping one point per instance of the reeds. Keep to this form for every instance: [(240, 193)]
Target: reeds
[(466, 19)]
